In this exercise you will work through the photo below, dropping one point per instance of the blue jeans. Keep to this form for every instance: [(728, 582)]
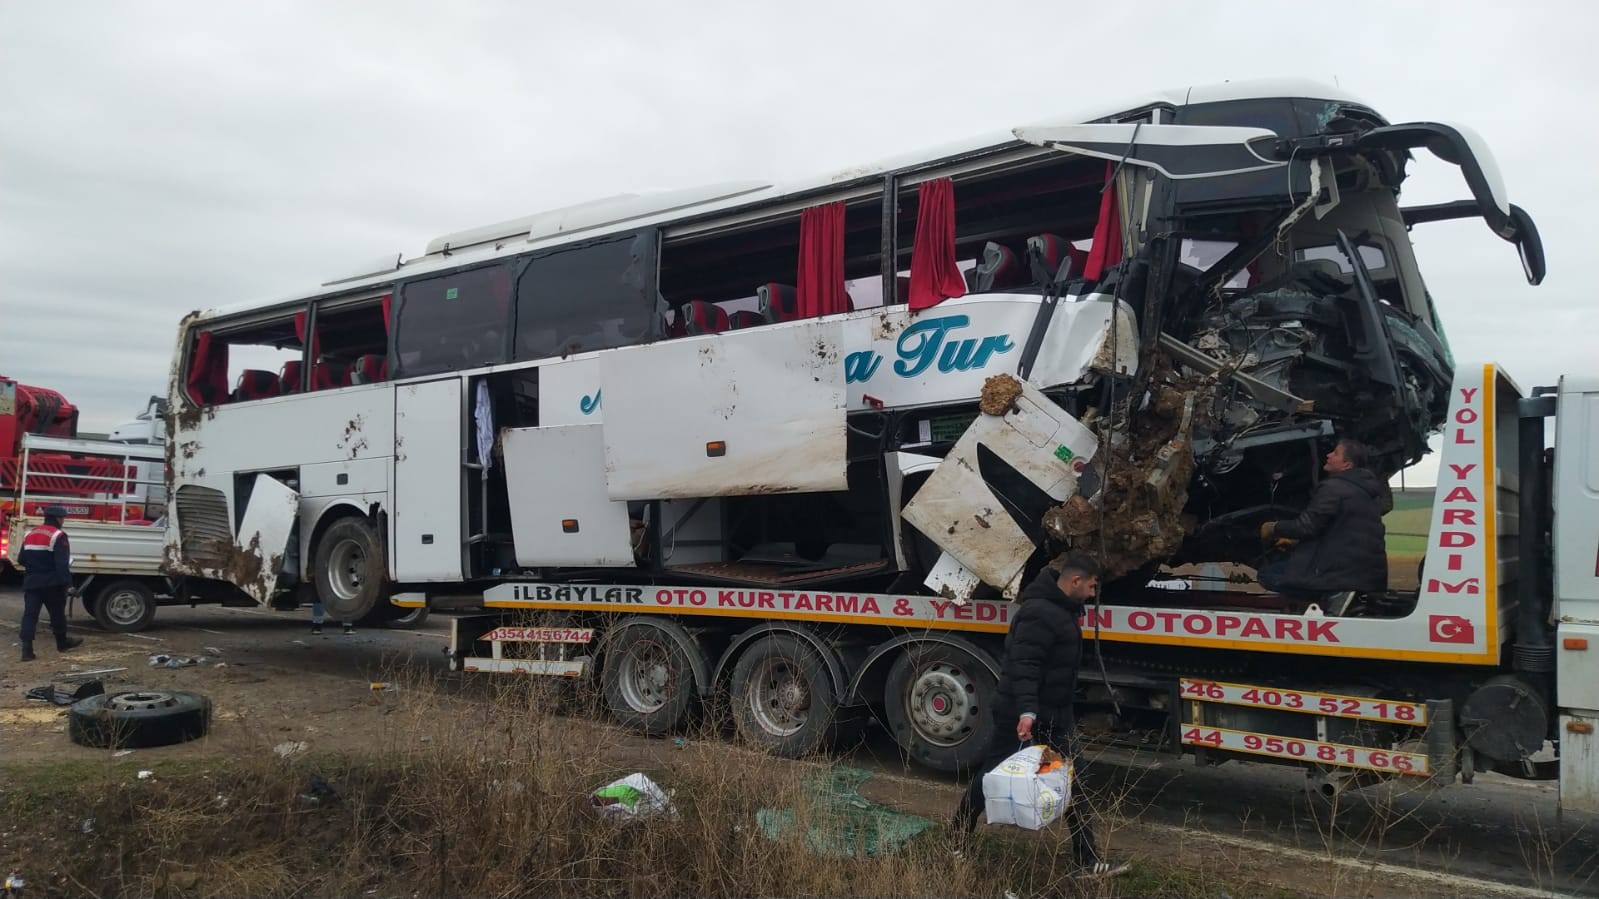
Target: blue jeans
[(1271, 574)]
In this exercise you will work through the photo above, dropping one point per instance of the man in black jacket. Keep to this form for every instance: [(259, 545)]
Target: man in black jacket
[(1341, 540), (1037, 686)]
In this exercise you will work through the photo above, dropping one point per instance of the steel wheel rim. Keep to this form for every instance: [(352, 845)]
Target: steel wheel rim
[(779, 697), (124, 607), (347, 569), (942, 704), (646, 676), (144, 699)]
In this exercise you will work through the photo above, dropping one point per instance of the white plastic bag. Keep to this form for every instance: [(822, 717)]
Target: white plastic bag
[(1016, 793), (634, 796)]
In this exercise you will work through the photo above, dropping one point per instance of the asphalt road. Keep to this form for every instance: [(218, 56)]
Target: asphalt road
[(1497, 829)]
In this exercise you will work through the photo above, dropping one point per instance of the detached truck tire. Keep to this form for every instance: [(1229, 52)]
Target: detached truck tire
[(134, 719)]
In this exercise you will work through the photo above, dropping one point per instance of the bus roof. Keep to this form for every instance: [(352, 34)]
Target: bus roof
[(628, 211)]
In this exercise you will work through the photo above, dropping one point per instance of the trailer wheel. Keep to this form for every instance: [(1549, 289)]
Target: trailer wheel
[(647, 679), (409, 619), (350, 569), (125, 607), (132, 719), (936, 701), (783, 699)]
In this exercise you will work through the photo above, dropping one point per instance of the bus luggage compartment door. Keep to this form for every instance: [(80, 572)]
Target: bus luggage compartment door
[(740, 413)]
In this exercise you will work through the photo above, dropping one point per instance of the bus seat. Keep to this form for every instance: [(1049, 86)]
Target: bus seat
[(327, 374), (778, 302), (255, 384), (289, 377), (999, 269), (744, 318), (370, 369), (701, 317), (1052, 258), (675, 324)]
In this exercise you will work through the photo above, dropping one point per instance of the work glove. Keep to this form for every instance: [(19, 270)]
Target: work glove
[(1267, 531)]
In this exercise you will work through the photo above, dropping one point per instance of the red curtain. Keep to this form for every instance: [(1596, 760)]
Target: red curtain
[(935, 275), (1107, 249), (388, 312), (820, 289), (208, 371)]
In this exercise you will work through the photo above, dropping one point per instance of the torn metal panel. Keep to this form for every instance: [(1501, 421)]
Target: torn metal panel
[(961, 511), (1273, 397), (255, 559)]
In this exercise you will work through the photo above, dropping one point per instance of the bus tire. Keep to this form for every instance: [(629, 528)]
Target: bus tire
[(350, 569), (125, 606), (783, 697), (936, 703), (647, 679), (131, 719)]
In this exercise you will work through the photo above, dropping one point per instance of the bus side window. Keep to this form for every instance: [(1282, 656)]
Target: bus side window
[(589, 297), (454, 321), (241, 363), (351, 344)]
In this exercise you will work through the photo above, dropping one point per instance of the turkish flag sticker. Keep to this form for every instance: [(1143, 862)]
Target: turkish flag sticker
[(1451, 629)]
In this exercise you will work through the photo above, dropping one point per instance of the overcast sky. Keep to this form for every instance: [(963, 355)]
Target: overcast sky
[(158, 157)]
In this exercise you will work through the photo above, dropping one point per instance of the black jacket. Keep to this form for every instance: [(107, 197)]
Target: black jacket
[(1043, 651), (1342, 539)]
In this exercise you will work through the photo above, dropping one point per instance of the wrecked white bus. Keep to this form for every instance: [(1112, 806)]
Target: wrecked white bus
[(800, 443)]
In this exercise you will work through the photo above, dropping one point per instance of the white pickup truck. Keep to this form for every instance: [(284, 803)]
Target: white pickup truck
[(115, 496)]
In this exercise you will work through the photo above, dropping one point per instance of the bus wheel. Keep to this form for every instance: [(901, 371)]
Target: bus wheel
[(125, 606), (350, 570), (783, 698), (936, 702), (647, 679)]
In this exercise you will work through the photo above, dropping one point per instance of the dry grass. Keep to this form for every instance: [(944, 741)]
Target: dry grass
[(480, 798)]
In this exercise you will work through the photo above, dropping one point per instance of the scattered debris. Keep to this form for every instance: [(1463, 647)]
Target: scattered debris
[(385, 687), (49, 693), (634, 796), (290, 747), (999, 394), (121, 752), (1148, 463), (680, 743), (318, 791), (214, 650), (87, 826), (146, 775), (14, 884), (166, 661), (840, 822), (76, 675)]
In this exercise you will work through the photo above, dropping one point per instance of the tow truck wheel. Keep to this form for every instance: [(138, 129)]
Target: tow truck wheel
[(647, 679), (783, 698), (350, 569), (125, 606), (936, 701)]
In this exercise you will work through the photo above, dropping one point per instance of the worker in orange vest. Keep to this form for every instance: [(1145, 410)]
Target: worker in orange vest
[(47, 557)]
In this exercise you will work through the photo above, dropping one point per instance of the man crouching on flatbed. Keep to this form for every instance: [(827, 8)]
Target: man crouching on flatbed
[(1341, 542)]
